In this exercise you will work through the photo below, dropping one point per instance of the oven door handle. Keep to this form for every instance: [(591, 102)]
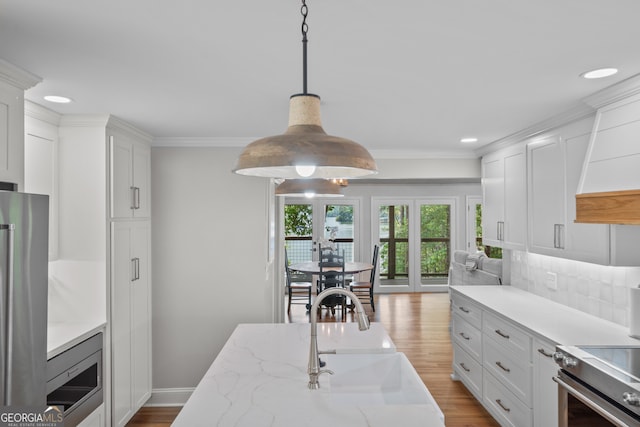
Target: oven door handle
[(590, 403)]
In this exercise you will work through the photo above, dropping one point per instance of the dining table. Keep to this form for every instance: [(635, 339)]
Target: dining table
[(313, 267)]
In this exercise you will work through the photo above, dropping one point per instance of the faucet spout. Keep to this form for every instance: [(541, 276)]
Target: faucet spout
[(314, 370)]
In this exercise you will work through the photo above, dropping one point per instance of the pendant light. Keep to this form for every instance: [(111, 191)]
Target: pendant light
[(316, 187), (305, 150)]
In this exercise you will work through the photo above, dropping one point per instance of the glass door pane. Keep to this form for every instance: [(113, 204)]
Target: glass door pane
[(435, 243), (339, 228), (393, 233), (298, 232)]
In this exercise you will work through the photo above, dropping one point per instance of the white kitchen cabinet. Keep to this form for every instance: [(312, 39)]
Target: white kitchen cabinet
[(88, 232), (130, 177), (130, 317), (504, 191), (13, 83), (555, 164), (545, 398)]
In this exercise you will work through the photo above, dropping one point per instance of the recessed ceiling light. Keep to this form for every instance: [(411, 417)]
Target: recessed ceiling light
[(57, 99), (468, 140), (599, 73)]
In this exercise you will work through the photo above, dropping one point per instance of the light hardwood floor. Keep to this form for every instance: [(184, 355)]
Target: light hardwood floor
[(419, 326)]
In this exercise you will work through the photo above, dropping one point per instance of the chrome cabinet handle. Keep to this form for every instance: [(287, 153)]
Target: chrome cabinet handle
[(502, 334), (558, 236), (500, 230), (464, 310), (501, 366), (462, 334), (135, 269), (504, 408), (464, 367), (544, 353), (135, 197), (136, 194)]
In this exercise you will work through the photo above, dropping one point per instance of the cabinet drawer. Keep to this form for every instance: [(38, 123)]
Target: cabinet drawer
[(503, 405), (468, 310), (508, 335), (468, 370), (511, 369), (467, 336)]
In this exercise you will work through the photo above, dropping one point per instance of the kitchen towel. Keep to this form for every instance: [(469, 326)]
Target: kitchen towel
[(634, 312)]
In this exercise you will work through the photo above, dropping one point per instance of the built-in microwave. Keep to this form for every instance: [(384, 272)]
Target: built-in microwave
[(74, 380)]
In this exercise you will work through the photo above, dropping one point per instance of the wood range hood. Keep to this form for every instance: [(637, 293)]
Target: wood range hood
[(609, 188), (609, 207)]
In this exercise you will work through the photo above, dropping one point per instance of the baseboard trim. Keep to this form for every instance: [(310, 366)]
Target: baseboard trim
[(169, 396)]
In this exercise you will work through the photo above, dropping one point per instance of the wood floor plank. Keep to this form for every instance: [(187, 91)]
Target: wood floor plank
[(418, 324)]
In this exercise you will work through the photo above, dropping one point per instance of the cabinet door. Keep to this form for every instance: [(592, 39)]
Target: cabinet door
[(141, 313), (12, 135), (142, 180), (546, 196), (515, 199), (131, 318), (122, 273), (122, 195), (492, 200), (545, 394)]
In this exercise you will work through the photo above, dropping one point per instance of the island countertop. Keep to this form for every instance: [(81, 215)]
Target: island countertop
[(259, 378)]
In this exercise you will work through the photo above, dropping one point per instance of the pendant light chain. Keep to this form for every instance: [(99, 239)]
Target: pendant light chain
[(304, 10)]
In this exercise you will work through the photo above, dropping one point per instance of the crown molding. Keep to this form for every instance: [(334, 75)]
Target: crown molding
[(16, 76), (102, 120), (624, 89), (579, 111), (38, 112)]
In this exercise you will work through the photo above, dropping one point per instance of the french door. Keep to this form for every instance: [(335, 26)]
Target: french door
[(310, 221), (416, 236)]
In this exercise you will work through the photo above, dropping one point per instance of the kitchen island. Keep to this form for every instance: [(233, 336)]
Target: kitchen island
[(259, 378)]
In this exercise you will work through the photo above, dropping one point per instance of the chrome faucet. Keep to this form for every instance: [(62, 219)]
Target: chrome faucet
[(314, 370)]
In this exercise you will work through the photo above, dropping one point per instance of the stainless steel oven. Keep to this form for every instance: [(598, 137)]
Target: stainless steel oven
[(598, 386), (74, 380)]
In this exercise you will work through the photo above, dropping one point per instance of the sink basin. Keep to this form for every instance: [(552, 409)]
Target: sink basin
[(374, 380)]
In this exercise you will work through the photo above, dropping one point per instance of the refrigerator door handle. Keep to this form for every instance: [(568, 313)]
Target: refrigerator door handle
[(7, 322)]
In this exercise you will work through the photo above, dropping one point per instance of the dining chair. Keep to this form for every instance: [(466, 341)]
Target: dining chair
[(298, 286), (364, 290), (331, 275)]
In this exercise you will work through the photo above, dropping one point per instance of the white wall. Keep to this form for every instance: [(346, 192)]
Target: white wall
[(210, 269)]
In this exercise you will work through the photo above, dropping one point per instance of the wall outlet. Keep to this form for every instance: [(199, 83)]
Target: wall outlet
[(552, 281)]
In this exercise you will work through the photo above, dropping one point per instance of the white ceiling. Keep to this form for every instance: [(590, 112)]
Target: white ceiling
[(409, 75)]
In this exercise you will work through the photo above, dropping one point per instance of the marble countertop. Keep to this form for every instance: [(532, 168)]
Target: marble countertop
[(550, 320), (259, 378), (61, 336)]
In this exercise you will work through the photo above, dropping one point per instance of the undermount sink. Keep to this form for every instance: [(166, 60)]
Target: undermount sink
[(375, 379)]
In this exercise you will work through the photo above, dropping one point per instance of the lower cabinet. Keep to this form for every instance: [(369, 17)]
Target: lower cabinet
[(131, 318), (506, 368)]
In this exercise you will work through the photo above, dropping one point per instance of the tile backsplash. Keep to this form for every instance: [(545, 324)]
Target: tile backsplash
[(599, 290)]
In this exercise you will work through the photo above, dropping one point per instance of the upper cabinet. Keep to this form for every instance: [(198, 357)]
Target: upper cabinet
[(13, 82), (554, 165), (504, 188), (130, 176)]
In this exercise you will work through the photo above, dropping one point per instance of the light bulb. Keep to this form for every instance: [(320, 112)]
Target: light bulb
[(309, 194), (305, 170)]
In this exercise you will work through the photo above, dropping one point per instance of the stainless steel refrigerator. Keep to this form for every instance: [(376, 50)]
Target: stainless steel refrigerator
[(24, 236)]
